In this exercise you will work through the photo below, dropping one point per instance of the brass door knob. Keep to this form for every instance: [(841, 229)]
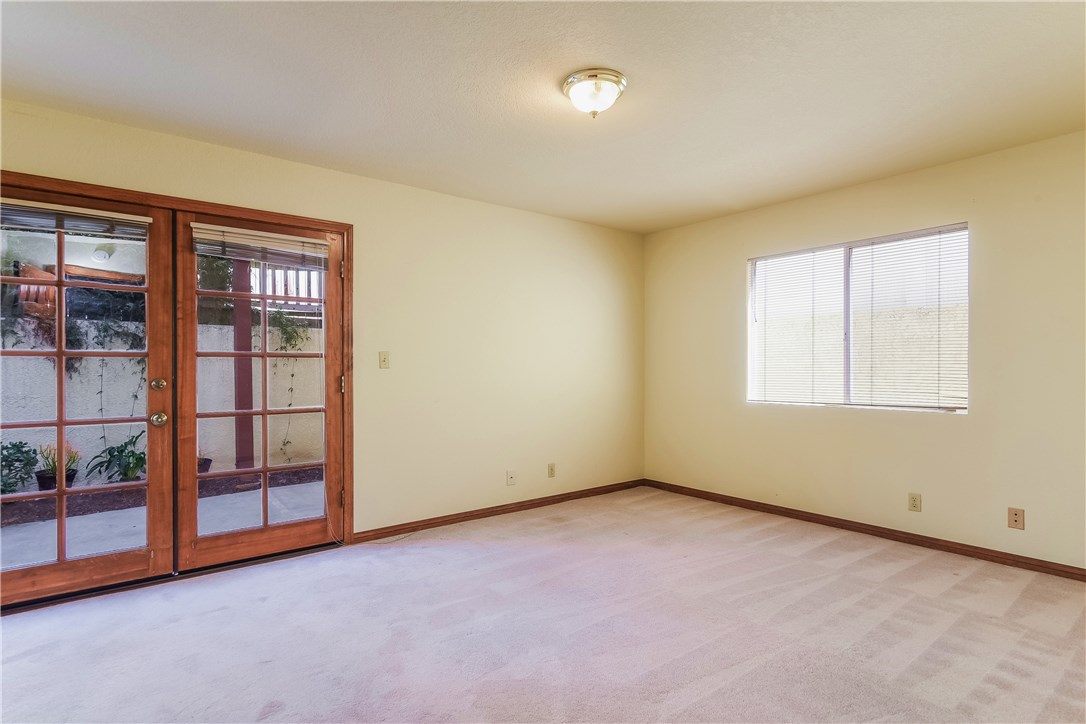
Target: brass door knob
[(159, 419), (158, 384)]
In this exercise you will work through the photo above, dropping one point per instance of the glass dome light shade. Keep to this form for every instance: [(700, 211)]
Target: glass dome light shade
[(594, 90), (589, 96)]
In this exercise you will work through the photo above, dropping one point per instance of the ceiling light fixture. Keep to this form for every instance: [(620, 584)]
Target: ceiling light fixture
[(594, 89), (103, 252)]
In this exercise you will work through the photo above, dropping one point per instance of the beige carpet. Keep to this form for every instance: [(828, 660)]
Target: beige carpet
[(635, 606)]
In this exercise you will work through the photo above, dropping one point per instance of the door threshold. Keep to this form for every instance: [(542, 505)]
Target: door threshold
[(158, 580)]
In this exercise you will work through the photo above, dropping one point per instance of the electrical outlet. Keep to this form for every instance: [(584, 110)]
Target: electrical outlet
[(914, 502), (550, 470), (382, 360), (510, 477), (1016, 518)]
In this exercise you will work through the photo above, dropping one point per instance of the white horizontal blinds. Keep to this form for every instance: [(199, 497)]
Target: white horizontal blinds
[(50, 218), (796, 330), (275, 250), (910, 321)]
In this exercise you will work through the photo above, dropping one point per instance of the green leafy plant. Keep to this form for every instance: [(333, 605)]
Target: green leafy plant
[(50, 457), (17, 463), (122, 462), (214, 272), (292, 334)]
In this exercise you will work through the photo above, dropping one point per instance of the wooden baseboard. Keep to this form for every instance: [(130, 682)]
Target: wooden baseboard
[(402, 528), (987, 554)]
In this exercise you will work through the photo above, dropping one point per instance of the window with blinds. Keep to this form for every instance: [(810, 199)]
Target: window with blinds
[(49, 218), (279, 264), (880, 323), (246, 245)]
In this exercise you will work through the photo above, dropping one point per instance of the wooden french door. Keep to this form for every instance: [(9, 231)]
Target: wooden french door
[(168, 400), (86, 393), (260, 389)]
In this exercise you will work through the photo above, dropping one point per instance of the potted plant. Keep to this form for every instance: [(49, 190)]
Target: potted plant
[(203, 463), (124, 462), (17, 463), (50, 458)]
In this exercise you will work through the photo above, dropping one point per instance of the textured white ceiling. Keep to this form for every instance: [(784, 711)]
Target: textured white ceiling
[(729, 106)]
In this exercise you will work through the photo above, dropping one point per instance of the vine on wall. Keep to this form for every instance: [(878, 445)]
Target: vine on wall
[(293, 336), (96, 319)]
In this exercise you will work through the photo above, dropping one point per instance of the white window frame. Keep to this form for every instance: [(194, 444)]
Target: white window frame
[(847, 320)]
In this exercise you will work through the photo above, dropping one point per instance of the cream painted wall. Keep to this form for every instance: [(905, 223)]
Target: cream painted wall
[(515, 338), (1022, 442)]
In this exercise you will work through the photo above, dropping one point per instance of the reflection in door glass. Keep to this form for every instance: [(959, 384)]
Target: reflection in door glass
[(105, 261), (28, 532), (24, 251), (28, 315), (101, 319)]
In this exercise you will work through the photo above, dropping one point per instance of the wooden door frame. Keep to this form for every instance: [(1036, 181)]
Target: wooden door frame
[(18, 184)]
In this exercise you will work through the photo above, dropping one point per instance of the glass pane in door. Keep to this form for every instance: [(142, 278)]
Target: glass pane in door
[(228, 383), (295, 438), (229, 443), (24, 249), (28, 532), (230, 503), (118, 260), (36, 379), (109, 454), (105, 387), (103, 319), (229, 325), (105, 522), (295, 494), (28, 314), (296, 326), (295, 382)]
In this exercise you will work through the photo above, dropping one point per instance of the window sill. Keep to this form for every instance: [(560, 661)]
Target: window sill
[(891, 408)]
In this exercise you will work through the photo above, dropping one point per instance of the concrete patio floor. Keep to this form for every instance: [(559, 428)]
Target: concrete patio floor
[(24, 544)]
